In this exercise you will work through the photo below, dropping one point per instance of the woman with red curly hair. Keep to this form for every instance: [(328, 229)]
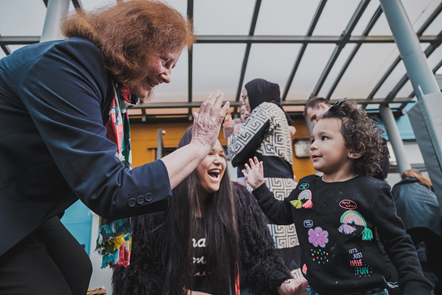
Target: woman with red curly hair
[(64, 136)]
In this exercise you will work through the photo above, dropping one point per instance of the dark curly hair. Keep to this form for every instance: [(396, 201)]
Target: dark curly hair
[(360, 134)]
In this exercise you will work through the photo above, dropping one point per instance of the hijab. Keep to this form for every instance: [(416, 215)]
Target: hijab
[(260, 90)]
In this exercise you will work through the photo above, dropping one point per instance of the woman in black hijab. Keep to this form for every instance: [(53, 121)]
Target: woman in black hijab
[(266, 135)]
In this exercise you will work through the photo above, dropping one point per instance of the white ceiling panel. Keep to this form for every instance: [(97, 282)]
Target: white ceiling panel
[(335, 17), (405, 90), (226, 17), (216, 67), (342, 59), (436, 26), (392, 80), (366, 17), (313, 63), (367, 67), (285, 17), (417, 11), (22, 17), (272, 62)]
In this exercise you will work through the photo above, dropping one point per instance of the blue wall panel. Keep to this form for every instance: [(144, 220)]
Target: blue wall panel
[(404, 125), (78, 220)]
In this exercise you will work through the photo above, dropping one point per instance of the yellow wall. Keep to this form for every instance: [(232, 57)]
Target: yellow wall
[(301, 167), (144, 143)]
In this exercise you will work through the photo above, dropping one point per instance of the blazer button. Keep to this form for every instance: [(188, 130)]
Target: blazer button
[(140, 199), (132, 202), (149, 197)]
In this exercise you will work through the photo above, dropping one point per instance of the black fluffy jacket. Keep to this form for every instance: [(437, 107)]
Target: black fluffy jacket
[(261, 269)]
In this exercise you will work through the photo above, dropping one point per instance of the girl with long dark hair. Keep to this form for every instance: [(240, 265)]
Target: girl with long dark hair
[(212, 240)]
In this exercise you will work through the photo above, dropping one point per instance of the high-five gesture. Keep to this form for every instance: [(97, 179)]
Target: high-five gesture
[(206, 126), (207, 122)]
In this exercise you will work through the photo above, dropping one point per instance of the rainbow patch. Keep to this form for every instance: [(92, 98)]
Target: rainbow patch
[(305, 195), (353, 217)]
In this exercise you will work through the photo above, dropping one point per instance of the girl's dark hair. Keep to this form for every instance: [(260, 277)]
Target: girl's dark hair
[(360, 134), (221, 232), (130, 33)]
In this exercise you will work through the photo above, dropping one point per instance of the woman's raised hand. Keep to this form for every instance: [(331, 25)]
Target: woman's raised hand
[(255, 173), (207, 122)]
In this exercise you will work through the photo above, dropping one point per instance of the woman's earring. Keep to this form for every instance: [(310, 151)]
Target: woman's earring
[(351, 156)]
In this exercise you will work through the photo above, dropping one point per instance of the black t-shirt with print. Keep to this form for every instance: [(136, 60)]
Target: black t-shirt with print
[(198, 250)]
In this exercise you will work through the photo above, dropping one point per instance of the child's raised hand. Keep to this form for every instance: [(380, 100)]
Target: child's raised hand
[(255, 173)]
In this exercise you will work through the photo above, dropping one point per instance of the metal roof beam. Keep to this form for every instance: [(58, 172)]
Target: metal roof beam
[(247, 52), (77, 4), (430, 49), (283, 39), (430, 20), (345, 37), (6, 49), (367, 30), (190, 61), (435, 69), (214, 39), (419, 33), (303, 48), (176, 105), (18, 40)]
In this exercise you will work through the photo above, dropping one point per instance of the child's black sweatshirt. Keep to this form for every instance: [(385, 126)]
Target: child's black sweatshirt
[(336, 223)]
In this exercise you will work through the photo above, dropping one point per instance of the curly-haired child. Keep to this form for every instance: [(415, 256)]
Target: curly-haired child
[(338, 214)]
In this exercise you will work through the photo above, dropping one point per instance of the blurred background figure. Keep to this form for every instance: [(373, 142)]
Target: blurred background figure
[(417, 206), (231, 127)]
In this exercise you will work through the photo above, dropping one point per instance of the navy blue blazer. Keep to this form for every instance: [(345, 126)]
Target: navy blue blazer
[(54, 102)]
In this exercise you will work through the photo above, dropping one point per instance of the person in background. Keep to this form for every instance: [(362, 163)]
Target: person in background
[(214, 239), (244, 114), (64, 136), (230, 127), (266, 135), (337, 213), (418, 207), (315, 107)]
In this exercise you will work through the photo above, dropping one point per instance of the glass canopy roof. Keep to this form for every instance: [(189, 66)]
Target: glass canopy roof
[(334, 49)]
